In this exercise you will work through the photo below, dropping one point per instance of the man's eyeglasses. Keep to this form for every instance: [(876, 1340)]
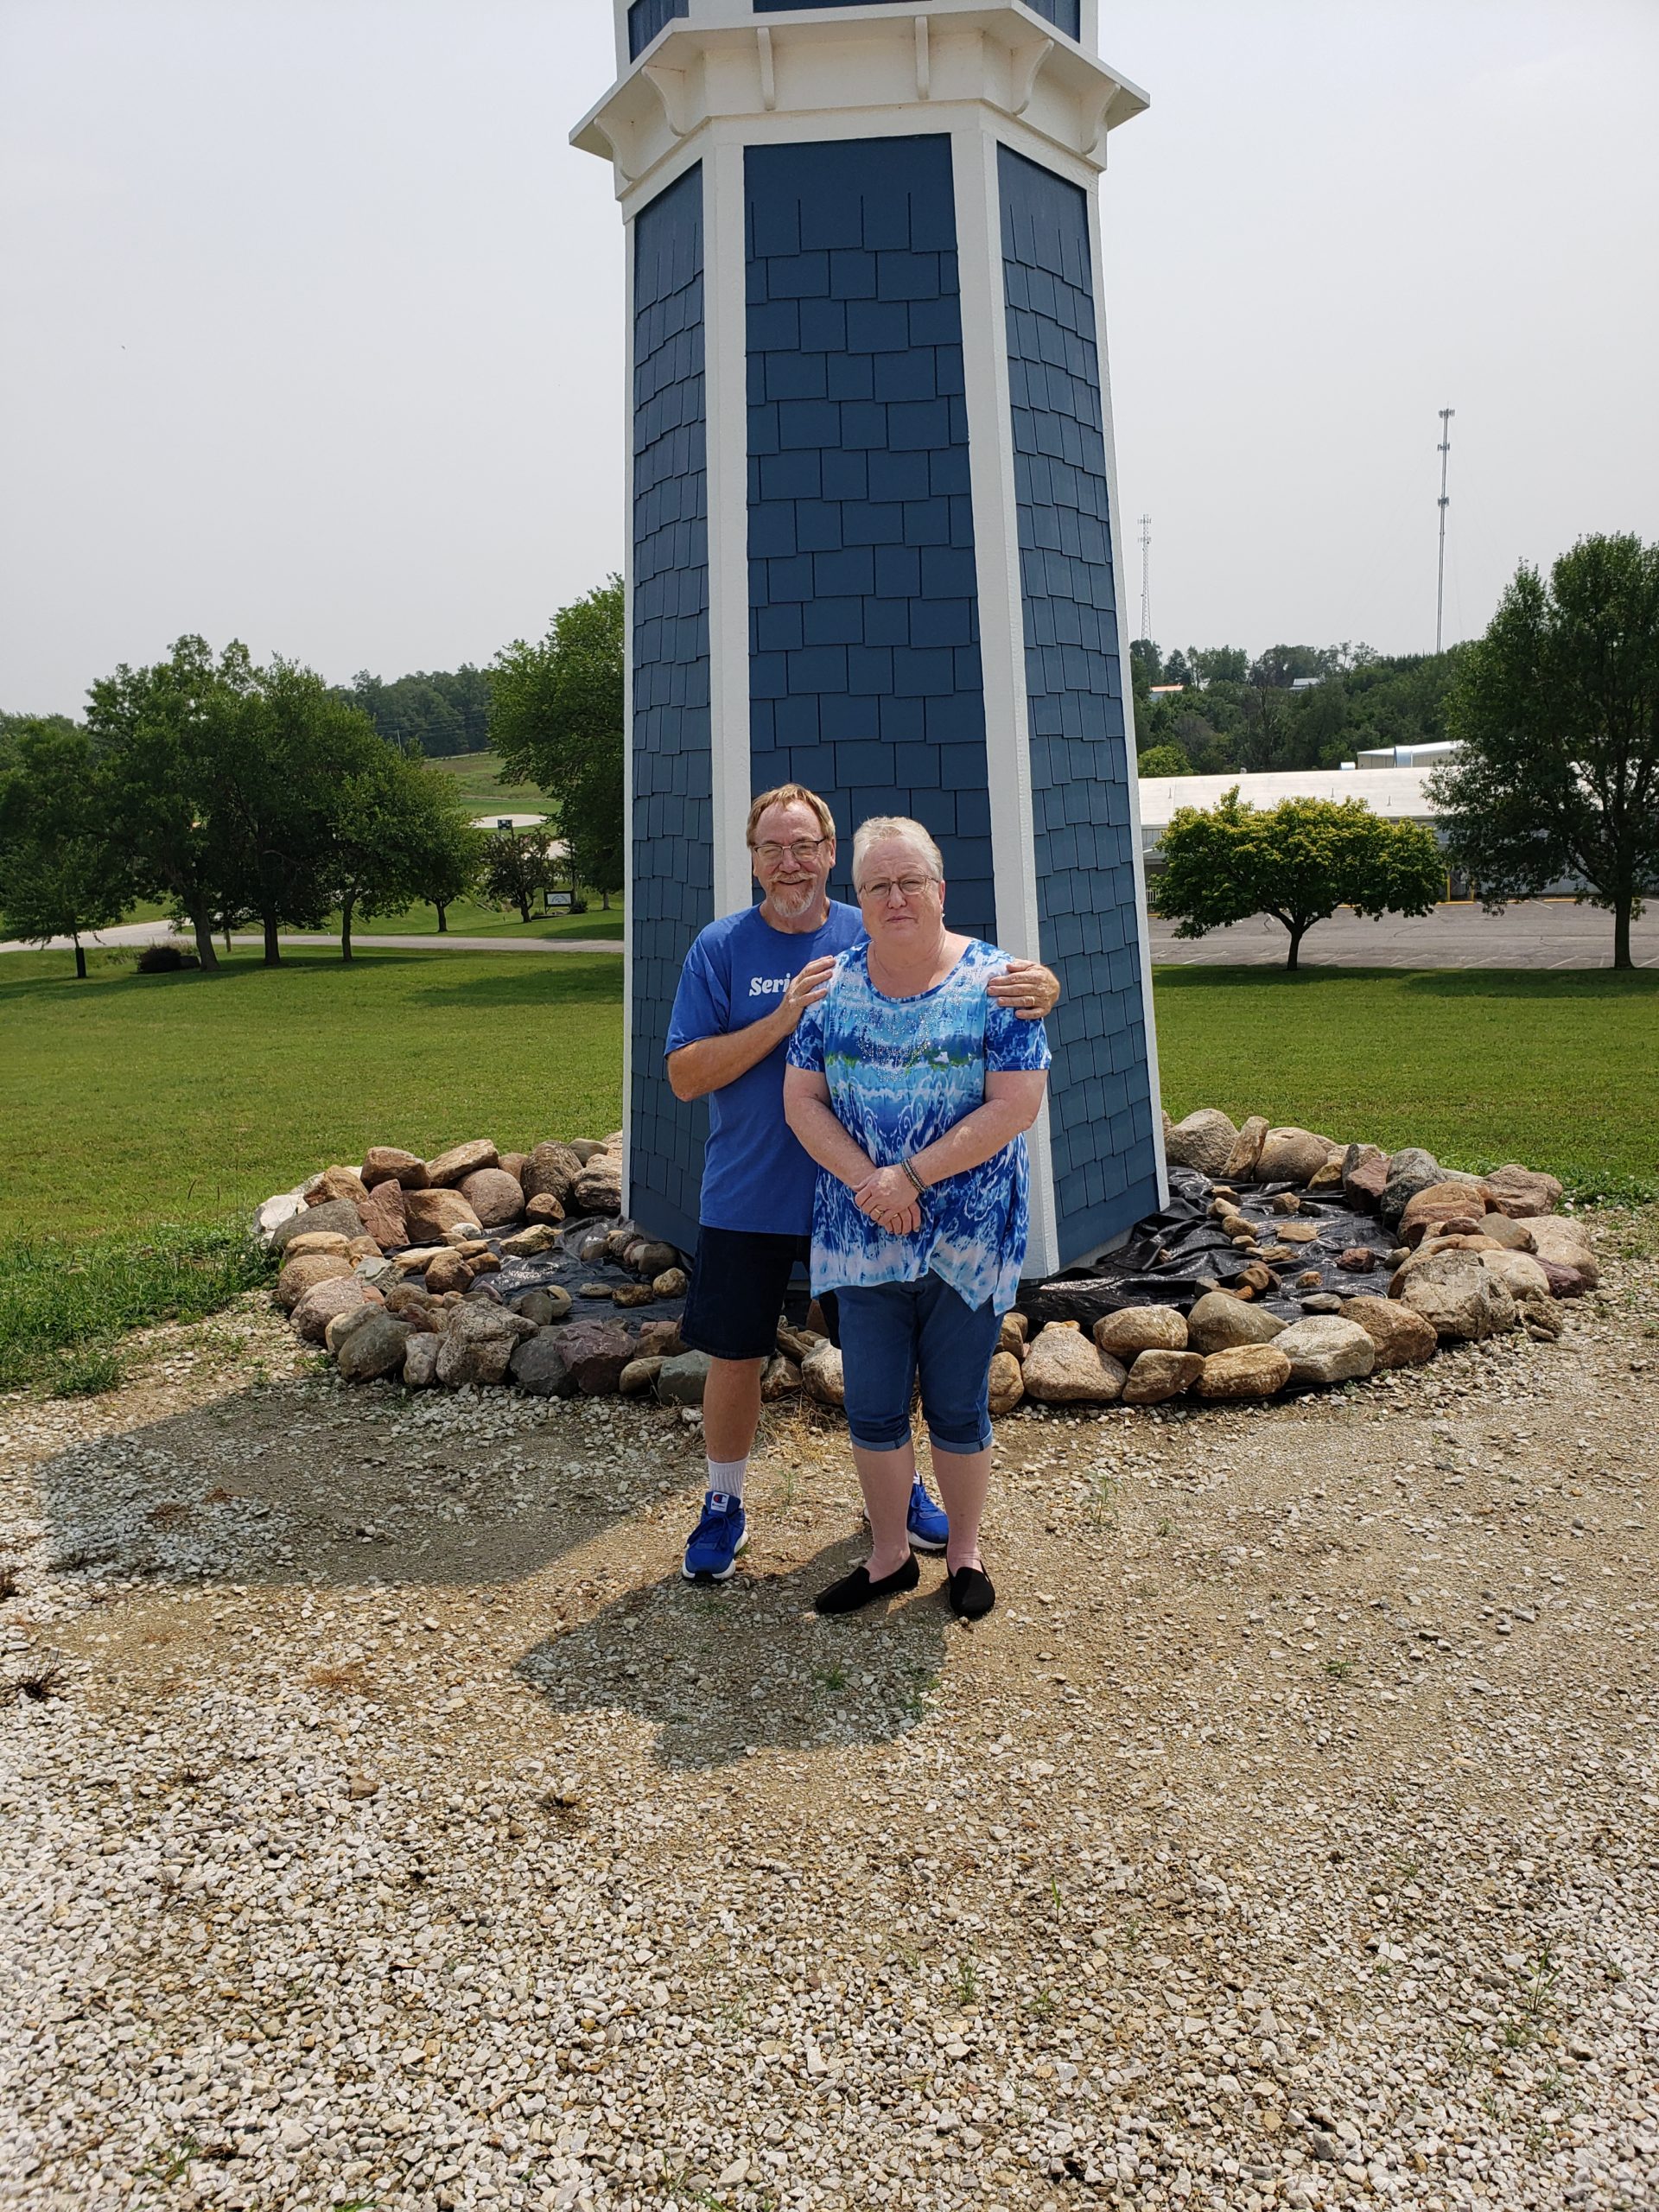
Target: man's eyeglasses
[(908, 886), (805, 849)]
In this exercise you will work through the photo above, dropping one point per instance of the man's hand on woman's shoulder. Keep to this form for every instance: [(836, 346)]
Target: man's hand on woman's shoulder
[(1027, 988)]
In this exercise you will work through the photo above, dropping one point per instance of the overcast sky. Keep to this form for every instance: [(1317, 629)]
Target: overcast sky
[(314, 321)]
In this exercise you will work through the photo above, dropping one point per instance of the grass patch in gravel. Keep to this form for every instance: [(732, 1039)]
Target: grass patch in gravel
[(64, 1306)]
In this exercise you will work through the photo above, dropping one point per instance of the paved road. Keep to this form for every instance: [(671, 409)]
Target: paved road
[(1543, 933), (1549, 933)]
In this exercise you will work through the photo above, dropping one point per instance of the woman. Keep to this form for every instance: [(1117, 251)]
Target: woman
[(910, 1088)]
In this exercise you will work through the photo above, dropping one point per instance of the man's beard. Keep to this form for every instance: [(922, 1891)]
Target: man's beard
[(793, 898)]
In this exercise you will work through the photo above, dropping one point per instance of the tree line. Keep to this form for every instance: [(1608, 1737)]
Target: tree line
[(1291, 707), (236, 794)]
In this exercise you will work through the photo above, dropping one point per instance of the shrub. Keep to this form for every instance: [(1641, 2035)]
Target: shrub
[(164, 960)]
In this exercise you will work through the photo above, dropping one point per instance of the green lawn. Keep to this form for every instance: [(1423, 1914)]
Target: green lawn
[(466, 919), (477, 778), (130, 1100), (1558, 1069)]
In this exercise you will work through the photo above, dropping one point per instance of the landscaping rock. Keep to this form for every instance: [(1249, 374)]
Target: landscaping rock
[(1326, 1349), (1159, 1375), (1219, 1322), (1438, 1204), (1403, 1338), (1328, 1178), (1322, 1301), (309, 1241), (1528, 1279), (432, 1214), (634, 1294), (1011, 1338), (515, 1164), (320, 1304), (1359, 1260), (650, 1257), (598, 1188), (673, 1282), (1567, 1243), (1564, 1283), (1543, 1319), (638, 1376), (1364, 1173), (421, 1360), (409, 1298), (340, 1325), (1203, 1141), (384, 1216), (529, 1243), (538, 1365), (546, 1304), (680, 1381), (661, 1339), (1239, 1166), (1292, 1155), (449, 1271), (461, 1160), (1064, 1368), (1007, 1382), (494, 1195), (1409, 1172), (1459, 1296), (383, 1163), (304, 1273), (1514, 1235), (552, 1172), (1257, 1371), (479, 1341), (336, 1183), (377, 1346), (596, 1352), (339, 1214), (1521, 1192), (1143, 1328), (543, 1209), (822, 1378)]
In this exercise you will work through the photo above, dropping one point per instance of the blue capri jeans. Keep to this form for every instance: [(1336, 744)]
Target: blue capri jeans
[(892, 1331)]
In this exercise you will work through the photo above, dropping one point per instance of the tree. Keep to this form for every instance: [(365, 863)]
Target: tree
[(1556, 710), (62, 871), (1297, 861), (1164, 761), (453, 866), (557, 718), (153, 727), (518, 868), (436, 713), (396, 827)]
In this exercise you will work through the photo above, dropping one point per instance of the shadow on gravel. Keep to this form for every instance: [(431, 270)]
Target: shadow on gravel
[(295, 1484), (747, 1666)]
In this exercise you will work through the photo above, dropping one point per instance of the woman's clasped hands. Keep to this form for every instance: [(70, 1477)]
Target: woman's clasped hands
[(890, 1199)]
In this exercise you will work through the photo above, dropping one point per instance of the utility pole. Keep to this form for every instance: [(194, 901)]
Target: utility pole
[(1447, 413), (1145, 576)]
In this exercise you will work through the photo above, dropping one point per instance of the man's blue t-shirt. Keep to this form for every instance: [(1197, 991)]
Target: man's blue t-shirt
[(755, 1175)]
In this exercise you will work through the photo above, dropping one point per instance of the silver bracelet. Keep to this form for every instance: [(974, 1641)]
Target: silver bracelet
[(910, 1170)]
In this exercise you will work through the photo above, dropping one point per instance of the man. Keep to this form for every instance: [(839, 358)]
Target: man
[(747, 981)]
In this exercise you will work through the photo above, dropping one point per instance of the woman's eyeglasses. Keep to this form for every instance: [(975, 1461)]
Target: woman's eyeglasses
[(908, 888), (805, 849)]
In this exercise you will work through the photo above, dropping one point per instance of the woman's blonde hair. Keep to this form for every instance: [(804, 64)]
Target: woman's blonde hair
[(895, 826)]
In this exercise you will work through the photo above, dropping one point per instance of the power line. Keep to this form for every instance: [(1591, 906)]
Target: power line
[(1145, 576), (1444, 450)]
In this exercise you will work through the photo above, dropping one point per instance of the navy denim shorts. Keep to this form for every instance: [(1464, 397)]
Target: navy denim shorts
[(735, 1298), (892, 1332)]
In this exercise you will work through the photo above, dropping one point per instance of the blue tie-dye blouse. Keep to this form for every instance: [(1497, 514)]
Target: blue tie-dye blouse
[(901, 1072)]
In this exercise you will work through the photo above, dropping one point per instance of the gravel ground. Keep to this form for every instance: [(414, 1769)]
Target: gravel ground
[(386, 1825)]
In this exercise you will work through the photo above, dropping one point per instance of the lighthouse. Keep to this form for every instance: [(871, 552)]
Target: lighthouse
[(873, 543)]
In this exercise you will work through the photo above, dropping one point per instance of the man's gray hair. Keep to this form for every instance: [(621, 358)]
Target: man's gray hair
[(895, 826)]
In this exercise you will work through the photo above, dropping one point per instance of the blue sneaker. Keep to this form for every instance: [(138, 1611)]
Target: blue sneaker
[(719, 1536), (929, 1527)]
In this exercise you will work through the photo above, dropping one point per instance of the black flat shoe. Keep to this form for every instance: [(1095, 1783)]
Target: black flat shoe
[(856, 1589), (971, 1593)]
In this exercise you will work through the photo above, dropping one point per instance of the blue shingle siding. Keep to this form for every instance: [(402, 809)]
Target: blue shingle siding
[(863, 600), (1105, 1170), (647, 17), (1064, 15), (673, 849)]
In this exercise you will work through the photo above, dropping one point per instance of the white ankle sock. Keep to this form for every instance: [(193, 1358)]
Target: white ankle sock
[(727, 1476)]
